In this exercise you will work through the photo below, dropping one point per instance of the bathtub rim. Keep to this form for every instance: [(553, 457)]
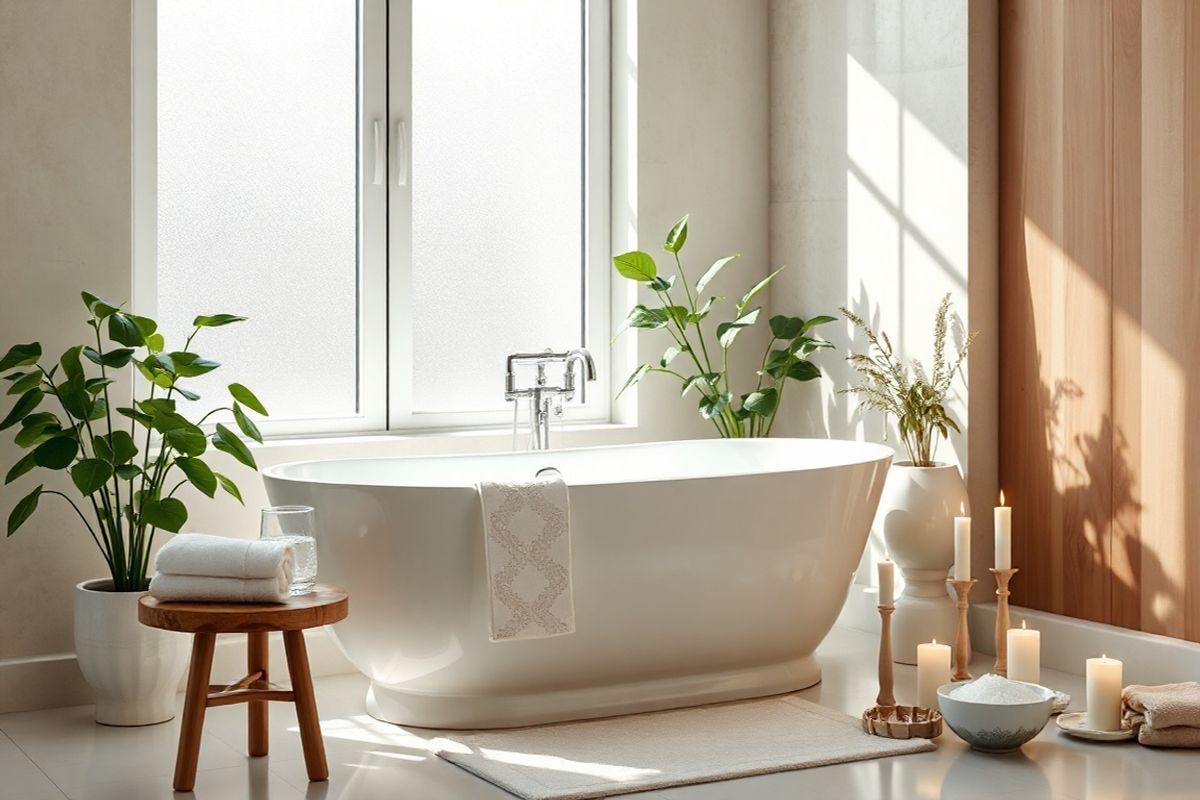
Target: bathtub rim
[(872, 453)]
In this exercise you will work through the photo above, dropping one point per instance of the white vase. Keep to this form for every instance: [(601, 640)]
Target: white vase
[(916, 515), (134, 670)]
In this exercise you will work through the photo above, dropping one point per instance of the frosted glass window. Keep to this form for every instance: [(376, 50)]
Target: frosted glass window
[(497, 192), (257, 195)]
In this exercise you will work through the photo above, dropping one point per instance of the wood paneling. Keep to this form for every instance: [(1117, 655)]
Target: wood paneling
[(1100, 288)]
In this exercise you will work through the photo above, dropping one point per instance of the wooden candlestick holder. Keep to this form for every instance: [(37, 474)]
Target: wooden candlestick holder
[(962, 641), (886, 695), (1003, 576)]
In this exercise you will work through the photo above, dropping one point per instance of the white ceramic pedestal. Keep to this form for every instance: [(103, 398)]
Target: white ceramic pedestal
[(916, 515), (134, 670)]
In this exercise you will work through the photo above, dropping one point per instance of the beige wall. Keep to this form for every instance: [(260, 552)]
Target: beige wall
[(877, 185), (700, 144)]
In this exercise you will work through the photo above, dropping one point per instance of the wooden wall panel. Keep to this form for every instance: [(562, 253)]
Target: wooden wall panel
[(1100, 307)]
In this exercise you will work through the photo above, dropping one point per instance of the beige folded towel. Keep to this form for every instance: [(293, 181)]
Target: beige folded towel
[(1168, 706)]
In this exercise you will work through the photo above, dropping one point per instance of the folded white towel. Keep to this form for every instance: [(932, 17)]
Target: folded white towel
[(527, 541), (206, 589), (226, 557)]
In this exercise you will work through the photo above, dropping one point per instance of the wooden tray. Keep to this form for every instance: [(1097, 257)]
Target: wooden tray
[(902, 722)]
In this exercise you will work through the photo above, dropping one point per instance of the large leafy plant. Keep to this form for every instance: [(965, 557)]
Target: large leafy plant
[(123, 484), (905, 391), (706, 369)]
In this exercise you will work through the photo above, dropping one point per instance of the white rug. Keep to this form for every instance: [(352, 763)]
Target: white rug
[(618, 755)]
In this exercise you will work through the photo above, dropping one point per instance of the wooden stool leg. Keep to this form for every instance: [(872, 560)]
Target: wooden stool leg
[(306, 705), (194, 704), (256, 710)]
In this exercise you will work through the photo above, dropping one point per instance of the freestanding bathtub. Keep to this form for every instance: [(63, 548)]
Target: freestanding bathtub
[(702, 571)]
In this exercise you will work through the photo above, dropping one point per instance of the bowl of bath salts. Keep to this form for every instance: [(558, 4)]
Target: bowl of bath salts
[(994, 714)]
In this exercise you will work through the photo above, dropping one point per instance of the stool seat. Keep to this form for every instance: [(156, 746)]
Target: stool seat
[(324, 606)]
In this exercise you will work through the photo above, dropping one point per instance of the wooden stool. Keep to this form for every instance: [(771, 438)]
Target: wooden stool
[(325, 606)]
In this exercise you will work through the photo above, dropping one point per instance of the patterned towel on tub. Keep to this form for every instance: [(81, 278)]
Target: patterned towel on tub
[(527, 541)]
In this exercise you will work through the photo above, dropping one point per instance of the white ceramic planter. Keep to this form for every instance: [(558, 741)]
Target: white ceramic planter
[(134, 670), (916, 515)]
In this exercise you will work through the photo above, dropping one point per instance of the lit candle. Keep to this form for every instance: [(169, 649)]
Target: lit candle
[(933, 670), (1024, 654), (1003, 524), (887, 581), (1104, 694), (962, 548)]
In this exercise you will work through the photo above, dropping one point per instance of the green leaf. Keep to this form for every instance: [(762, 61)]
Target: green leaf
[(98, 308), (166, 513), (776, 362), (784, 327), (155, 343), (728, 331), (717, 266), (706, 378), (71, 366), (158, 405), (21, 355), (189, 394), (153, 372), (758, 287), (30, 380), (113, 358), (23, 510), (230, 487), (37, 428), (669, 355), (133, 413), (145, 325), (636, 266), (712, 405), (117, 447), (762, 402), (678, 314), (75, 397), (90, 474), (227, 441), (57, 453), (804, 371), (661, 284), (189, 440), (189, 365), (647, 318), (26, 463), (817, 320), (247, 398), (245, 425), (25, 404), (217, 320), (702, 311), (128, 472), (122, 329), (633, 379), (677, 236), (199, 473)]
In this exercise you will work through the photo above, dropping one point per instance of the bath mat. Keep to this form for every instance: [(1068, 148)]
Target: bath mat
[(619, 755)]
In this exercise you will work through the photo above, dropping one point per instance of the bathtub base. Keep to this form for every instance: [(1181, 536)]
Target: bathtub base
[(470, 712)]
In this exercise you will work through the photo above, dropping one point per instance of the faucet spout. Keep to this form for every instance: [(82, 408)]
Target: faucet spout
[(584, 357)]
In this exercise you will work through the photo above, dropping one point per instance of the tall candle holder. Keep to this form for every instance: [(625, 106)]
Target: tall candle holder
[(962, 641), (1003, 576), (886, 718)]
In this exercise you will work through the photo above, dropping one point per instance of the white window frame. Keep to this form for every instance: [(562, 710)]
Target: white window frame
[(385, 385)]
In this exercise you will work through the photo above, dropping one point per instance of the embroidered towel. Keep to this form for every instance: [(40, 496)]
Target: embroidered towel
[(226, 557), (527, 542), (206, 589)]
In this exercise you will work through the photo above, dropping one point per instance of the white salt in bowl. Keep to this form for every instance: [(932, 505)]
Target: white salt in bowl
[(999, 726)]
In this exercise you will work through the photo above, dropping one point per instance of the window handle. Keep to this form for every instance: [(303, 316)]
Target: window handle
[(378, 175), (401, 153)]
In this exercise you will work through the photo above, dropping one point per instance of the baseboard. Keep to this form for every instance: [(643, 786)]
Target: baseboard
[(54, 680), (1067, 643)]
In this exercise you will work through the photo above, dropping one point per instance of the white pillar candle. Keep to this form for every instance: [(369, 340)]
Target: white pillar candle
[(1104, 685), (1003, 525), (933, 670), (1024, 654), (962, 548), (887, 581)]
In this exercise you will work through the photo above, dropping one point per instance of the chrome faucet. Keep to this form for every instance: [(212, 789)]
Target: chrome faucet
[(542, 393)]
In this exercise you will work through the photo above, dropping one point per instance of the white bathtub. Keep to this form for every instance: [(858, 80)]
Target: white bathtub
[(702, 571)]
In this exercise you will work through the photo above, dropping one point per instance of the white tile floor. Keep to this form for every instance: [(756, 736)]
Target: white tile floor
[(63, 753)]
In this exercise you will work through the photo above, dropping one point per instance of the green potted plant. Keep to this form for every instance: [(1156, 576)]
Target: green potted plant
[(125, 461), (921, 496), (704, 366)]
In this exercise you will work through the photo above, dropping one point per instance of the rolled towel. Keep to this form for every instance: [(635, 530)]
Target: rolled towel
[(226, 557), (1177, 736), (206, 589), (1168, 706)]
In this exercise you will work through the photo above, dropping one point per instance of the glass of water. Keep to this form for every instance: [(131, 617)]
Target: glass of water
[(294, 525)]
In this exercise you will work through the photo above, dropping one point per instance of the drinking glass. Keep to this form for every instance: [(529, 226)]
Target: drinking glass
[(294, 525)]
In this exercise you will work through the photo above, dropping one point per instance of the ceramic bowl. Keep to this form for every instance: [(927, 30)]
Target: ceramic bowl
[(995, 727)]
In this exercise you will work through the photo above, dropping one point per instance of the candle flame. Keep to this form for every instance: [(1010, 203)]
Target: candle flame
[(1002, 497)]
